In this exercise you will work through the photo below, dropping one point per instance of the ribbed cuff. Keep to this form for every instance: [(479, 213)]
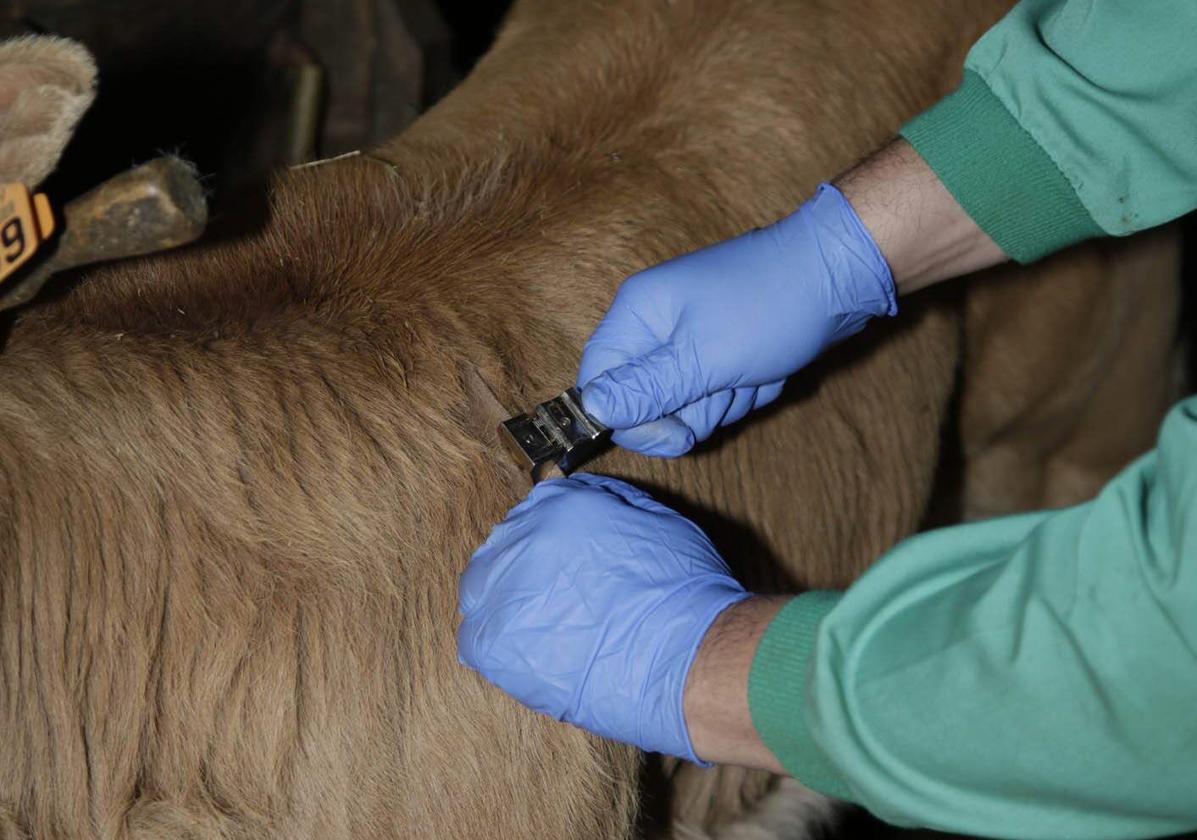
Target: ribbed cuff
[(1002, 178), (776, 692)]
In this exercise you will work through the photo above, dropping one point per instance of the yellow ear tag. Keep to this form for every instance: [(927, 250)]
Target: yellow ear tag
[(26, 222)]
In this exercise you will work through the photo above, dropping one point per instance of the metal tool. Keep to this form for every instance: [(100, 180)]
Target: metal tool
[(556, 434), (149, 208)]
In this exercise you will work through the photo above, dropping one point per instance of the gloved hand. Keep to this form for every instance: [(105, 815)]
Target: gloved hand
[(588, 604), (698, 341)]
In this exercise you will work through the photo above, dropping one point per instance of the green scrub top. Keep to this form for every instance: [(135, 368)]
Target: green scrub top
[(1033, 676)]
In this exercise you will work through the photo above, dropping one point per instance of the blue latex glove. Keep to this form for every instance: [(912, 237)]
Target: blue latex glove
[(698, 341), (588, 604)]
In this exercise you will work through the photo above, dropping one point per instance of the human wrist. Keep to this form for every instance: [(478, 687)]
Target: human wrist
[(715, 699), (925, 235), (679, 638)]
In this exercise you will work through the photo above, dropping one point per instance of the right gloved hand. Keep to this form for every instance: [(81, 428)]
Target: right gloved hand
[(698, 341)]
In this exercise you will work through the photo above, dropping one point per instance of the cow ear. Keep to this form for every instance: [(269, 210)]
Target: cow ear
[(46, 84)]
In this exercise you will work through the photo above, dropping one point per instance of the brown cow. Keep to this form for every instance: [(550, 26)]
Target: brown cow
[(237, 485)]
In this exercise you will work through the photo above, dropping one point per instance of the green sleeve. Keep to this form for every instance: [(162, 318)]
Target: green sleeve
[(1075, 118), (1032, 676)]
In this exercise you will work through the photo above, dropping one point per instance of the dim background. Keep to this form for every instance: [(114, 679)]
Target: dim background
[(243, 87)]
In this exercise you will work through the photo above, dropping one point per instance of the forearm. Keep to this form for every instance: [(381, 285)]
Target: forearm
[(925, 235), (1032, 675), (1074, 120)]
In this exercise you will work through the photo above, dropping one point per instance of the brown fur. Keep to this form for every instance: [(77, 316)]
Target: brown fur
[(237, 485), (1060, 394)]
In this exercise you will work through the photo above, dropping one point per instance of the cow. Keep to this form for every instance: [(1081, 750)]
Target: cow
[(238, 482)]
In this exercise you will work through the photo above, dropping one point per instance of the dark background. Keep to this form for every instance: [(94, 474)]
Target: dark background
[(232, 85)]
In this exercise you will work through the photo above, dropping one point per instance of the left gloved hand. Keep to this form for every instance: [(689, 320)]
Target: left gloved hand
[(588, 603)]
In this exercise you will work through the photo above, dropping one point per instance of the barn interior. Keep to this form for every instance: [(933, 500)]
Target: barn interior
[(242, 89)]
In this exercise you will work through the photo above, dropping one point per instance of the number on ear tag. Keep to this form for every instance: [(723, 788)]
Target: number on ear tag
[(25, 223)]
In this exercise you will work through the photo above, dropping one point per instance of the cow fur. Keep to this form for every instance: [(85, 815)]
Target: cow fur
[(238, 483), (46, 84)]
